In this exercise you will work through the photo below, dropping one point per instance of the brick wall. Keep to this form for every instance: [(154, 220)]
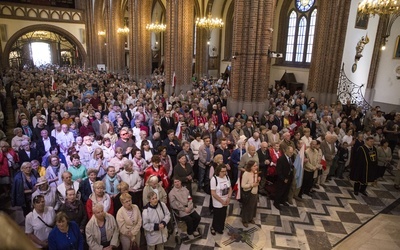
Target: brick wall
[(251, 40), (179, 41)]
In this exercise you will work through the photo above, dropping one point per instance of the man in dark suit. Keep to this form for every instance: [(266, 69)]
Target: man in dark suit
[(26, 153), (39, 127), (173, 146), (86, 186), (46, 110), (167, 123), (45, 143), (248, 129), (264, 159), (312, 126), (284, 170), (278, 120)]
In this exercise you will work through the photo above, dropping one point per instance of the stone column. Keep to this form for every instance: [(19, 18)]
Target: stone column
[(251, 66), (326, 62), (179, 44), (115, 50), (139, 39), (201, 67)]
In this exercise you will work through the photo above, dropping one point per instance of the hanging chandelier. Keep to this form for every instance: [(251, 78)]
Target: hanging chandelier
[(209, 22), (379, 7), (156, 27), (123, 31), (101, 33)]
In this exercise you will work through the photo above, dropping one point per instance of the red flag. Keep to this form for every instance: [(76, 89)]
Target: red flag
[(53, 84), (173, 79), (236, 188), (323, 163)]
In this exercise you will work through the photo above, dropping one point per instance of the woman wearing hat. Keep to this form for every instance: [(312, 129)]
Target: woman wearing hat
[(49, 193)]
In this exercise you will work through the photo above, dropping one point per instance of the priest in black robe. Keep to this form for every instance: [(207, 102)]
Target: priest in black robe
[(364, 167)]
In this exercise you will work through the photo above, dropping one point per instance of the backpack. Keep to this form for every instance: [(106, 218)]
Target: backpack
[(207, 184)]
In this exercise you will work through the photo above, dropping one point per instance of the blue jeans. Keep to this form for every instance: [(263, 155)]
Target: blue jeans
[(203, 176)]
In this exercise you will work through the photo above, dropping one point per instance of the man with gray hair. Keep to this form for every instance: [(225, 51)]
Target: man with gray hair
[(329, 151), (255, 140), (96, 123), (273, 135)]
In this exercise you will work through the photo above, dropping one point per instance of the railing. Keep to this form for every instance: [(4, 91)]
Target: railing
[(348, 90), (40, 13)]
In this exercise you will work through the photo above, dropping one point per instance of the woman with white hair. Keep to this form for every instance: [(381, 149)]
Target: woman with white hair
[(102, 230), (155, 219), (18, 138), (153, 185)]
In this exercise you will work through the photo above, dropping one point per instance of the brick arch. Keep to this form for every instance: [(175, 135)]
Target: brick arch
[(46, 27)]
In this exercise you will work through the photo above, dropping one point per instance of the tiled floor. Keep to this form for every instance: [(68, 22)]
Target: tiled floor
[(318, 223)]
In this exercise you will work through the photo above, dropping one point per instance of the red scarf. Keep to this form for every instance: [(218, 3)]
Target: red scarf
[(225, 117)]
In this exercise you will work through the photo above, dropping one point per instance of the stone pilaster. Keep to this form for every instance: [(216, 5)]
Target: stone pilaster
[(115, 50), (139, 39), (179, 43), (251, 68), (201, 67)]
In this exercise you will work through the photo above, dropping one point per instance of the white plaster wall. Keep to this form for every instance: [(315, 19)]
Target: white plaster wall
[(277, 72), (387, 86), (353, 36), (14, 25)]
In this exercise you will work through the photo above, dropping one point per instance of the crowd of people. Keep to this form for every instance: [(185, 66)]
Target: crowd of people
[(97, 159)]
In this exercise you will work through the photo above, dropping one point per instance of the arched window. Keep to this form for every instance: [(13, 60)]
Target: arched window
[(296, 32)]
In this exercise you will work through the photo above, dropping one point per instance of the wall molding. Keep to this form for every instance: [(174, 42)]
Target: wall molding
[(41, 13)]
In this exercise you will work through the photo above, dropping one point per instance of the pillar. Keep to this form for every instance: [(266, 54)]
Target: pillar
[(201, 67), (179, 44), (251, 66), (326, 62), (139, 39), (115, 49)]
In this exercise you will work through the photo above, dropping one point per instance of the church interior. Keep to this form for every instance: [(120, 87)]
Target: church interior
[(330, 50)]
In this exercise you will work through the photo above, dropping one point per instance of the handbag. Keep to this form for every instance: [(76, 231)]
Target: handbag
[(245, 195), (133, 245), (271, 171)]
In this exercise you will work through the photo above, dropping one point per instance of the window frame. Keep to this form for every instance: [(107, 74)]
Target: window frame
[(284, 30)]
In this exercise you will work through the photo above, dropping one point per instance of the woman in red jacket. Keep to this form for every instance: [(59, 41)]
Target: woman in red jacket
[(99, 196), (158, 170), (7, 166)]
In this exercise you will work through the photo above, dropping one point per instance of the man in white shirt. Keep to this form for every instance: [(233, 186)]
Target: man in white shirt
[(65, 139), (86, 151), (57, 129), (255, 141)]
